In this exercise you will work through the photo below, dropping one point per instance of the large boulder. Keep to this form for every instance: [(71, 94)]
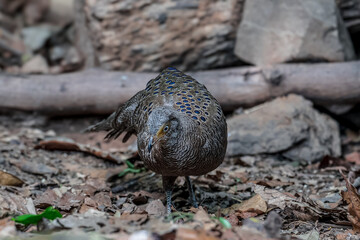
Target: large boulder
[(289, 126), (147, 35), (276, 31)]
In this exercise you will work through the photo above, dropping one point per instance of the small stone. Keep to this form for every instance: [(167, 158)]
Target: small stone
[(35, 65)]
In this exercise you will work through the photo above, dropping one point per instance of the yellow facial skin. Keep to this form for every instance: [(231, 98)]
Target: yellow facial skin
[(161, 132)]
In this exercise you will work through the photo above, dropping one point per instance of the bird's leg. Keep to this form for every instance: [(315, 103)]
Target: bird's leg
[(168, 182), (191, 192)]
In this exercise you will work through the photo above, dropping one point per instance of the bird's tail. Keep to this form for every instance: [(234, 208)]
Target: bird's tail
[(108, 126), (104, 125)]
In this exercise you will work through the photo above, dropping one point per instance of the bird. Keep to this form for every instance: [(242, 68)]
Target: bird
[(180, 127)]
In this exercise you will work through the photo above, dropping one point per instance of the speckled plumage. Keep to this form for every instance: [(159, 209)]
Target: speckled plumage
[(194, 142)]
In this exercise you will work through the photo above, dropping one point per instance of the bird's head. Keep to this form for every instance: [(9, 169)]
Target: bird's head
[(164, 127)]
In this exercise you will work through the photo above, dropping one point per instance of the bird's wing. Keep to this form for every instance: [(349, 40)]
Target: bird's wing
[(122, 120)]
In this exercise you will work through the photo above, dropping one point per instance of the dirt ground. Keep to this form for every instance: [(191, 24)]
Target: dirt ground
[(262, 197), (103, 191)]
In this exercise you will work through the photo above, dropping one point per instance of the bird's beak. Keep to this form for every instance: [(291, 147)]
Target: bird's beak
[(154, 139), (151, 143)]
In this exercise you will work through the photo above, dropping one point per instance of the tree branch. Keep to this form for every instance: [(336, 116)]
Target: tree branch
[(96, 91)]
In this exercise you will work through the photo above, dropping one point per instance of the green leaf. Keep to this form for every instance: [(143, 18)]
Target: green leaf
[(27, 219), (131, 169), (129, 164), (49, 213), (225, 222), (175, 216), (125, 171)]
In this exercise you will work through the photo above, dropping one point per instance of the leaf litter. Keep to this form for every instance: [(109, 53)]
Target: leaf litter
[(87, 181)]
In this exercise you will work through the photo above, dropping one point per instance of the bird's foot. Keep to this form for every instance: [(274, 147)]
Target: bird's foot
[(168, 182), (195, 204), (191, 192), (168, 202)]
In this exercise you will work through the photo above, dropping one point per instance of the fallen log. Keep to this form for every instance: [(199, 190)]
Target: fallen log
[(96, 91)]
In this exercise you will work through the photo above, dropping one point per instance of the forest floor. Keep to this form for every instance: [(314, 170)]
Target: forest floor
[(52, 163)]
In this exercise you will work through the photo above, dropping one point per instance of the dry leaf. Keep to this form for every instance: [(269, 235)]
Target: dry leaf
[(273, 197), (247, 233), (271, 183), (156, 208), (35, 168), (333, 163), (353, 157), (352, 198), (7, 228), (11, 204), (7, 179), (134, 219), (291, 206), (255, 204), (240, 175), (63, 200), (312, 235), (67, 144), (203, 217), (233, 220), (88, 204), (190, 234), (102, 199), (249, 208), (345, 235)]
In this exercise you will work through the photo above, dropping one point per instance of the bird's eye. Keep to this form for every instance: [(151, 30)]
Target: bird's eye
[(166, 128)]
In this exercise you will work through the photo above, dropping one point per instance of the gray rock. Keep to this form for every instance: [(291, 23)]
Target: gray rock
[(148, 35), (275, 31), (289, 126), (36, 36)]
